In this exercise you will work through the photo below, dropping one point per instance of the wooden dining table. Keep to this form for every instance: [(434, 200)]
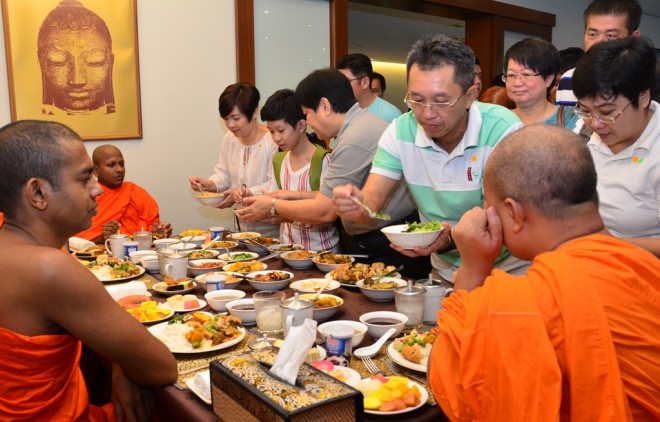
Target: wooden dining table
[(176, 403)]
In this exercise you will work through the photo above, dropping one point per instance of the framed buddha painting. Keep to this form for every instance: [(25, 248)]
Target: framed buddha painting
[(75, 62)]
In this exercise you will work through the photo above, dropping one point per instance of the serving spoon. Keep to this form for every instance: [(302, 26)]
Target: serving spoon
[(374, 215), (374, 278), (369, 351)]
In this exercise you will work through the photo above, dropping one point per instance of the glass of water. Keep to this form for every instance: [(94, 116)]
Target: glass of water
[(267, 310)]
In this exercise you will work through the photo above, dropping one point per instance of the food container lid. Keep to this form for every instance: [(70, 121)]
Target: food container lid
[(296, 303), (410, 290)]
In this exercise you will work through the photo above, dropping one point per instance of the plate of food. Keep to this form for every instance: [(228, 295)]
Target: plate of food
[(172, 286), (349, 274), (145, 309), (238, 256), (346, 375), (110, 270), (184, 303), (261, 244), (379, 400), (203, 254), (222, 245), (240, 237), (312, 285), (90, 253), (412, 351), (380, 289), (286, 247), (189, 333), (413, 235), (245, 266)]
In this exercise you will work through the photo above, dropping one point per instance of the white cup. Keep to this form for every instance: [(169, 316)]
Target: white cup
[(176, 265), (217, 231), (215, 281), (130, 246), (433, 299), (115, 245)]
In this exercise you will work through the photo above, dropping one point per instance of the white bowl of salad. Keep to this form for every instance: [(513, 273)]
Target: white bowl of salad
[(413, 235)]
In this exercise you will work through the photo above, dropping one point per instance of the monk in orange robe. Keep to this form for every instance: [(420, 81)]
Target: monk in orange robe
[(578, 337), (50, 304), (123, 206)]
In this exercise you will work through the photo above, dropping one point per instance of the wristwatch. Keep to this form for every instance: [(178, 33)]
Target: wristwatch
[(273, 211)]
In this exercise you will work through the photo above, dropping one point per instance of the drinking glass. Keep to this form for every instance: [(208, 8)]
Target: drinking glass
[(267, 309), (409, 300)]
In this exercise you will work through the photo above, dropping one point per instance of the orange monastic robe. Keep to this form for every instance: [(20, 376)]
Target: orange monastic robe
[(129, 204), (41, 380), (577, 338), (2, 219)]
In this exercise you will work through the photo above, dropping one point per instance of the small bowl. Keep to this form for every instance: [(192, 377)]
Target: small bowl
[(196, 240), (323, 314), (360, 330), (232, 281), (269, 285), (287, 247), (326, 267), (203, 254), (218, 299), (380, 321), (210, 198), (150, 263), (312, 285), (409, 240), (137, 255), (381, 295), (203, 266), (237, 308), (184, 247), (165, 243), (297, 263)]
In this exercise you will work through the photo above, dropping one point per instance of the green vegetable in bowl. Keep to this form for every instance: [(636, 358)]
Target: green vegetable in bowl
[(419, 227)]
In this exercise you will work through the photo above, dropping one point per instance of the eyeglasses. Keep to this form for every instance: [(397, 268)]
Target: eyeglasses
[(523, 76), (356, 79), (434, 107), (608, 120), (376, 90)]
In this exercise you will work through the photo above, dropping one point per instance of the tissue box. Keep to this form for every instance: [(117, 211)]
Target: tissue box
[(243, 389)]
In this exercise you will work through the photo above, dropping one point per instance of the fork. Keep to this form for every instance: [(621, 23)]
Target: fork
[(375, 215), (397, 371), (371, 366)]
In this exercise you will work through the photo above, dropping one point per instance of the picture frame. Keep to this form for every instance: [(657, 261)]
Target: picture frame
[(75, 62)]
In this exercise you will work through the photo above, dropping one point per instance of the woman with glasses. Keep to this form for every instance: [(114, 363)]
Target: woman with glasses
[(613, 84), (529, 73)]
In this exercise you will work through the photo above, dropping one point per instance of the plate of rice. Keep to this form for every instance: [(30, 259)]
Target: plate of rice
[(173, 333)]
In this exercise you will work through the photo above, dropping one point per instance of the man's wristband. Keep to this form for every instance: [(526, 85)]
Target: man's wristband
[(449, 246)]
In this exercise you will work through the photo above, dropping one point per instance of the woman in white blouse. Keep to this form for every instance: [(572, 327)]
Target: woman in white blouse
[(246, 153)]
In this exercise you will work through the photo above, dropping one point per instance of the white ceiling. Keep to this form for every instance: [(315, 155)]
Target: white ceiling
[(387, 34)]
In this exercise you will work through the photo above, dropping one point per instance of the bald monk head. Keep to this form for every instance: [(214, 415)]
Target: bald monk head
[(109, 166), (542, 182)]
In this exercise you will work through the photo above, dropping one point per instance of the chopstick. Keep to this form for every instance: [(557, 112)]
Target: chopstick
[(194, 369)]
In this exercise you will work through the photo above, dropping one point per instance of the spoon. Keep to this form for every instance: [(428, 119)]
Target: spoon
[(373, 278), (211, 242), (369, 351), (374, 215), (199, 187), (323, 286)]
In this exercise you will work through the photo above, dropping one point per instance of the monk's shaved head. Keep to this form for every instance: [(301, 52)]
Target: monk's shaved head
[(545, 167), (109, 166), (103, 151)]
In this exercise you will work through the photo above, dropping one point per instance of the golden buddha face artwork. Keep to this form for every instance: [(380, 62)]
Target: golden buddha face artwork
[(76, 60)]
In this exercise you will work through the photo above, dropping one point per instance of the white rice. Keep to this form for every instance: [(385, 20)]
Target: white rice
[(102, 272), (174, 336)]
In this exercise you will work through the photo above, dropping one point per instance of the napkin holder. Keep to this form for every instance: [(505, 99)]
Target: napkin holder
[(242, 388)]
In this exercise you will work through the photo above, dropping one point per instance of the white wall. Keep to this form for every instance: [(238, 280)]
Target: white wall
[(187, 57)]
